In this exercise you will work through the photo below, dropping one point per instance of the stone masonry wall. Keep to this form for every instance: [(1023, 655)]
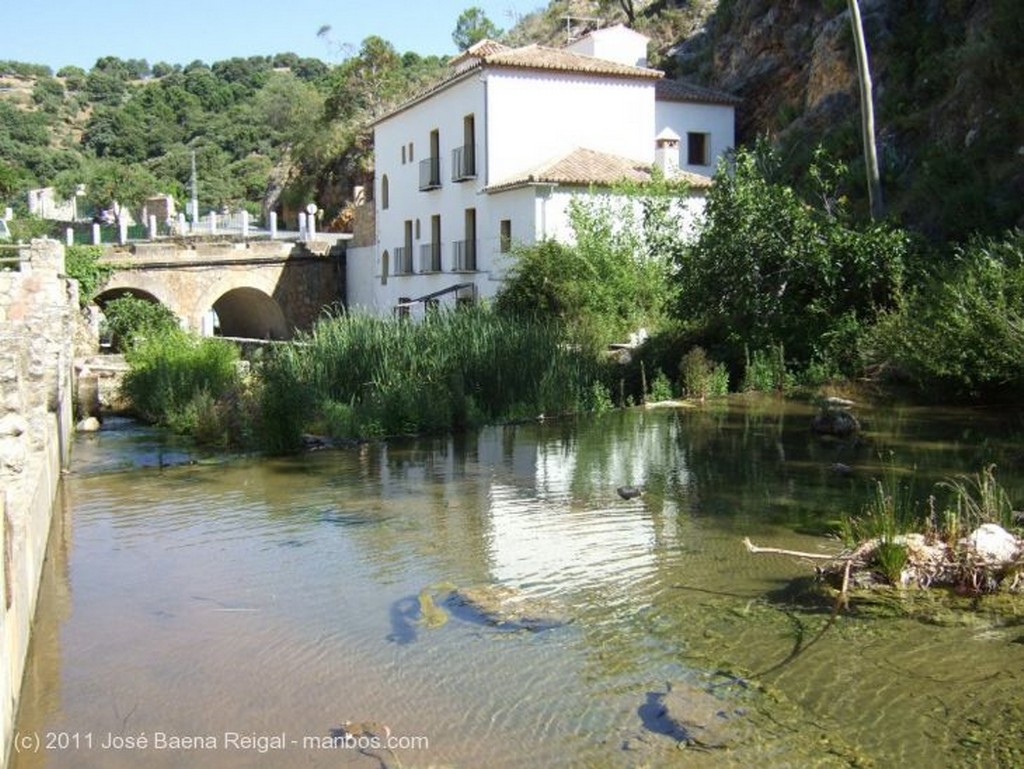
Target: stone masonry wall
[(38, 306)]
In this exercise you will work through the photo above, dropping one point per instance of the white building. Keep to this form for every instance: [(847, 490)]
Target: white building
[(493, 154)]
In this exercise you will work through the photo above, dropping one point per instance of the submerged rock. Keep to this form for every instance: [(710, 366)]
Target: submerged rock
[(696, 716), (509, 608), (835, 421)]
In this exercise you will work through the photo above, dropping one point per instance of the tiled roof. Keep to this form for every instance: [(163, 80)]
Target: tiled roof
[(678, 90), (583, 167), (535, 57), (540, 57)]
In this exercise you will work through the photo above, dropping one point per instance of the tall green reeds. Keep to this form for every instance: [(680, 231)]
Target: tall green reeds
[(361, 376)]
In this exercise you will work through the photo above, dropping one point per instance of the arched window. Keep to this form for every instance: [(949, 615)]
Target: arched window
[(384, 192)]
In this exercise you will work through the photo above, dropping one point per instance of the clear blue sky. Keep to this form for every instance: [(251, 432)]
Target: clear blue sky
[(76, 32)]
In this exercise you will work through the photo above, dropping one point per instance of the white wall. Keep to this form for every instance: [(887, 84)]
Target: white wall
[(616, 43), (684, 117), (537, 117)]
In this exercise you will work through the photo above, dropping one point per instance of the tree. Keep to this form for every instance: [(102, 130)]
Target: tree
[(367, 83), (11, 181), (770, 270), (472, 27), (109, 185), (867, 112)]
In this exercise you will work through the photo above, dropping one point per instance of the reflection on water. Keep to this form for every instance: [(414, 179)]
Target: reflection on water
[(276, 599)]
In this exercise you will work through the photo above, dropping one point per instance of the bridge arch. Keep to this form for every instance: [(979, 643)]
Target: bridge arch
[(251, 313), (141, 286), (108, 295), (245, 306)]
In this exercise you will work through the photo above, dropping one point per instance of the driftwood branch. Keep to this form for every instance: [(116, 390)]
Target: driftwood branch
[(752, 548)]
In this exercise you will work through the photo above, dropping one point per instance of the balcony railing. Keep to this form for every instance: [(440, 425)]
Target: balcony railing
[(430, 174), (464, 256), (403, 261), (463, 163), (430, 257)]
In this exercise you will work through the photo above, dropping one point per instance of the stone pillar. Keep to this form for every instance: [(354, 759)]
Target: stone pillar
[(213, 222), (181, 224), (311, 227), (245, 224), (152, 227), (302, 225), (97, 236), (273, 224), (122, 231), (69, 236)]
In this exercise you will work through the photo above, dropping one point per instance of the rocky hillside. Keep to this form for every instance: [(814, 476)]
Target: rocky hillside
[(948, 88)]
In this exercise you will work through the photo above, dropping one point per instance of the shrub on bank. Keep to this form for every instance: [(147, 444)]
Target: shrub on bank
[(171, 372), (961, 333)]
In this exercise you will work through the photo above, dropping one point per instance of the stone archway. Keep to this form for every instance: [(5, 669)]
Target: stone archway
[(251, 314)]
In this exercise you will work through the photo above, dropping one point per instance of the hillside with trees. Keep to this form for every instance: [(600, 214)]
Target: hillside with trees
[(267, 132), (276, 131)]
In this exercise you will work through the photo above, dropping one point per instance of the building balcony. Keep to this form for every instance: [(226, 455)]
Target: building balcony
[(430, 257), (463, 163), (430, 174), (403, 260), (464, 256)]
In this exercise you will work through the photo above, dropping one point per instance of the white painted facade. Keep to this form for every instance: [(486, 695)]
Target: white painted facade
[(518, 111), (716, 121), (617, 43)]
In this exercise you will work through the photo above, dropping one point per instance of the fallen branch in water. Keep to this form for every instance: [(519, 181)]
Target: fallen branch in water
[(751, 547)]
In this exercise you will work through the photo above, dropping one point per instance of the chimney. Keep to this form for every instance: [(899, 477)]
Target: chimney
[(666, 152)]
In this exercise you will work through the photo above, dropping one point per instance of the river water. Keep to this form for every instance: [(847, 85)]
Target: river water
[(233, 613)]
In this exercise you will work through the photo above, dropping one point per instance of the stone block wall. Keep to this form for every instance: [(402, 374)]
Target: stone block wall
[(38, 307)]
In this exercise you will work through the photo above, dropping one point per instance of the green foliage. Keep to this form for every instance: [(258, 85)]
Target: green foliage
[(765, 371), (661, 387), (25, 228), (129, 318), (109, 185), (169, 370), (768, 269), (977, 499), (24, 69), (888, 514), (702, 377), (472, 27), (82, 264), (455, 369), (599, 399), (613, 281), (961, 333)]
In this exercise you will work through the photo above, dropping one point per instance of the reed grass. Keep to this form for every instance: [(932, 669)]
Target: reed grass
[(358, 376), (977, 499)]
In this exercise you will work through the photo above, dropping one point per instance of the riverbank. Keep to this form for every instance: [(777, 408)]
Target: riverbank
[(37, 311)]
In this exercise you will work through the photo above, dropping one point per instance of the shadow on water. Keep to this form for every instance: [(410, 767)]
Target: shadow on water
[(404, 614)]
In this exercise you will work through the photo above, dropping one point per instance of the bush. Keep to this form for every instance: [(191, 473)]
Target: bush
[(961, 334), (128, 317), (168, 370), (702, 377), (82, 264), (614, 280), (768, 269)]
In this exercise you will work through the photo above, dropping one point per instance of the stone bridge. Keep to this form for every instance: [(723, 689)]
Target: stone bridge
[(253, 289)]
